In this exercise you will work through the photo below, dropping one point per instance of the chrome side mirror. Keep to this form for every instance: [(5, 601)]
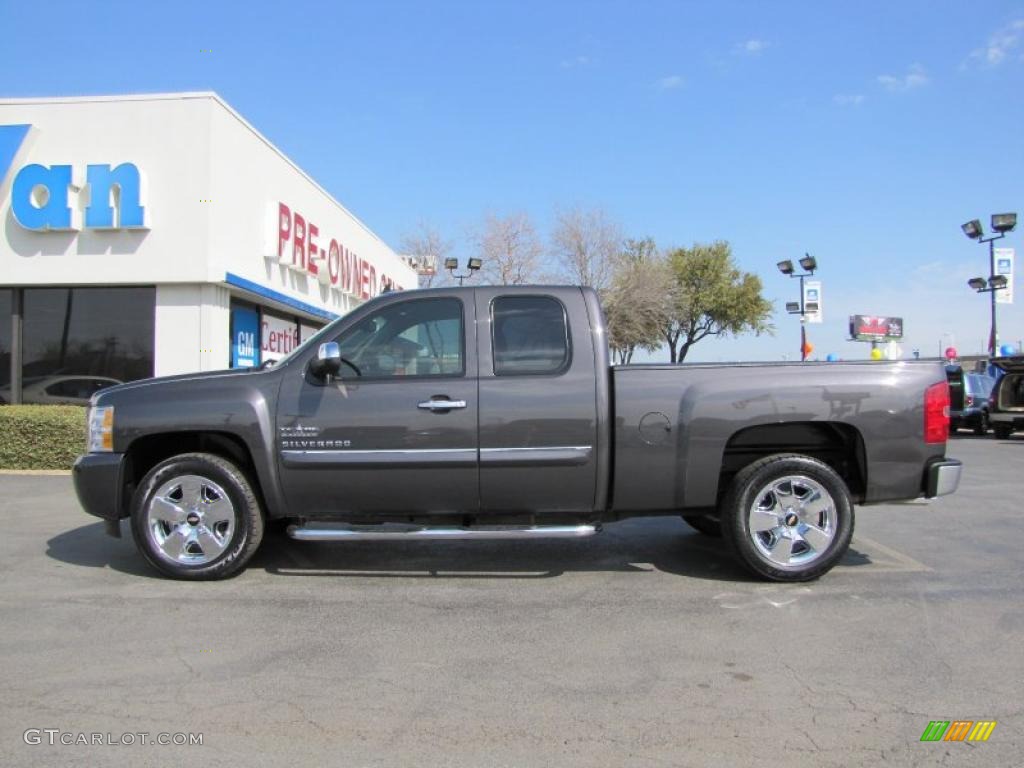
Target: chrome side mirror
[(327, 361)]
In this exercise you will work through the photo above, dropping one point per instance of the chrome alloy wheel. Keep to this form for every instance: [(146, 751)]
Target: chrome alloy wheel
[(190, 520), (793, 521)]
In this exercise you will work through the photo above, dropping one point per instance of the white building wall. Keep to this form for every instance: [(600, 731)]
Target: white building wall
[(249, 177), (191, 329)]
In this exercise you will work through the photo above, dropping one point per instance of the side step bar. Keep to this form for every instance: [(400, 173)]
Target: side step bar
[(340, 532)]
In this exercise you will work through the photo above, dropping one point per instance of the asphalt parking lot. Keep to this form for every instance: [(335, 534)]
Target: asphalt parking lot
[(643, 646)]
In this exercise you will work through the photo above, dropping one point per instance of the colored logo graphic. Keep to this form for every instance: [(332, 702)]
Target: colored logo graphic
[(958, 730)]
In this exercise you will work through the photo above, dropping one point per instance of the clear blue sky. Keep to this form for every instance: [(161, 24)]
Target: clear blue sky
[(865, 133)]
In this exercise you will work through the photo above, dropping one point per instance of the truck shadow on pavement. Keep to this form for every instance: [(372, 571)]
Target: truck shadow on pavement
[(637, 546)]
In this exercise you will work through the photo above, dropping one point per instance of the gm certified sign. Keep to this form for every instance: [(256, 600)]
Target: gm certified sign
[(40, 193)]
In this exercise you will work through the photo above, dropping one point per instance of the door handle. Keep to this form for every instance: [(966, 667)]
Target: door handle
[(441, 405)]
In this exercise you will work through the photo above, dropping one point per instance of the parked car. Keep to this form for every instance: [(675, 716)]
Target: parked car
[(968, 399), (59, 390), (1006, 404), (494, 413)]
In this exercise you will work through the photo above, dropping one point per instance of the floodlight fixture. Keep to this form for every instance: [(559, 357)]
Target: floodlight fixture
[(973, 229), (1004, 222), (977, 283)]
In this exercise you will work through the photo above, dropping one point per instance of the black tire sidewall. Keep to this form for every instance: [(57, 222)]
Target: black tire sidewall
[(982, 426), (248, 517), (740, 497)]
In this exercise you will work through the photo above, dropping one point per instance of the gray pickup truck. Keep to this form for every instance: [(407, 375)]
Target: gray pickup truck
[(493, 412)]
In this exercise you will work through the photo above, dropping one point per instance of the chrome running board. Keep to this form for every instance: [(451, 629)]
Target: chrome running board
[(341, 532)]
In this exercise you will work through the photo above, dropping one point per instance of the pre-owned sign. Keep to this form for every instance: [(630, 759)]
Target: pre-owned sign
[(300, 245)]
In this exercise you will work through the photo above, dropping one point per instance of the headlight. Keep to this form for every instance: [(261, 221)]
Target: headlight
[(101, 429)]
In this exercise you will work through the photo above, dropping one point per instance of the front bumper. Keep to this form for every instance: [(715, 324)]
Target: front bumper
[(98, 479), (942, 477)]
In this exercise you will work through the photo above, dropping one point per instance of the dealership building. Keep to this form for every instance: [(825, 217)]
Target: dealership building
[(161, 234)]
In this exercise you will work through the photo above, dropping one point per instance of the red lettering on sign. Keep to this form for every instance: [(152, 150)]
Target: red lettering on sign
[(314, 253), (364, 280), (299, 241), (334, 261), (284, 227)]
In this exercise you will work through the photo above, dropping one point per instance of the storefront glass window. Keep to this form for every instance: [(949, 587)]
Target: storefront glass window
[(5, 337), (278, 336), (86, 338)]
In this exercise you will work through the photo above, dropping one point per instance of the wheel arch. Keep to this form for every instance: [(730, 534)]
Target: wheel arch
[(839, 445), (147, 451)]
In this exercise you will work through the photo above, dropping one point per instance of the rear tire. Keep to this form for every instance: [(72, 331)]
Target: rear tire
[(195, 517), (787, 517), (1002, 431), (707, 524), (981, 428)]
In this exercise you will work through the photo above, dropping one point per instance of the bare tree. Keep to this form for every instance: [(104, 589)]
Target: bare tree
[(426, 244), (586, 243), (510, 249), (638, 302)]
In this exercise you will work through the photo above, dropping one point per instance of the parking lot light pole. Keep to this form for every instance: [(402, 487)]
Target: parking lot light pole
[(808, 264), (474, 264), (1001, 224)]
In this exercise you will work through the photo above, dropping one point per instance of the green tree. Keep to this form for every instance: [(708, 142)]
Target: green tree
[(713, 297), (638, 301)]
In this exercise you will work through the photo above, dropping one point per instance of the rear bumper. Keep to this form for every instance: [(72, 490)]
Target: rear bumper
[(98, 483), (1014, 420), (942, 477)]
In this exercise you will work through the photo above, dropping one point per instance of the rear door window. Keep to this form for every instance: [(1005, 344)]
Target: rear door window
[(530, 336)]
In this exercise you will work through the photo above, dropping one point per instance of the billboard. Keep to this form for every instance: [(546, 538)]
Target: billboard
[(812, 301), (875, 328), (1004, 258)]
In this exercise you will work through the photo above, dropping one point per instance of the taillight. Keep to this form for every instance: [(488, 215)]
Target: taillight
[(969, 401), (936, 413)]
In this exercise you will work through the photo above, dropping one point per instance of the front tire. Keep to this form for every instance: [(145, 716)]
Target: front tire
[(195, 516), (788, 517)]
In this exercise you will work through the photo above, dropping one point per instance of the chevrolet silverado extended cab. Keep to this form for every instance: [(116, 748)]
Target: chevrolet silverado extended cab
[(493, 412)]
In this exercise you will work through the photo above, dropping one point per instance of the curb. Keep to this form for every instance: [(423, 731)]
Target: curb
[(44, 472)]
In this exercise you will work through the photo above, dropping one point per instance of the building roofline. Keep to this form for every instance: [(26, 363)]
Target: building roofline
[(213, 96)]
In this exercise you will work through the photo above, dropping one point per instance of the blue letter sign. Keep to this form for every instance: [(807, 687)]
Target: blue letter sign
[(103, 182), (39, 197)]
